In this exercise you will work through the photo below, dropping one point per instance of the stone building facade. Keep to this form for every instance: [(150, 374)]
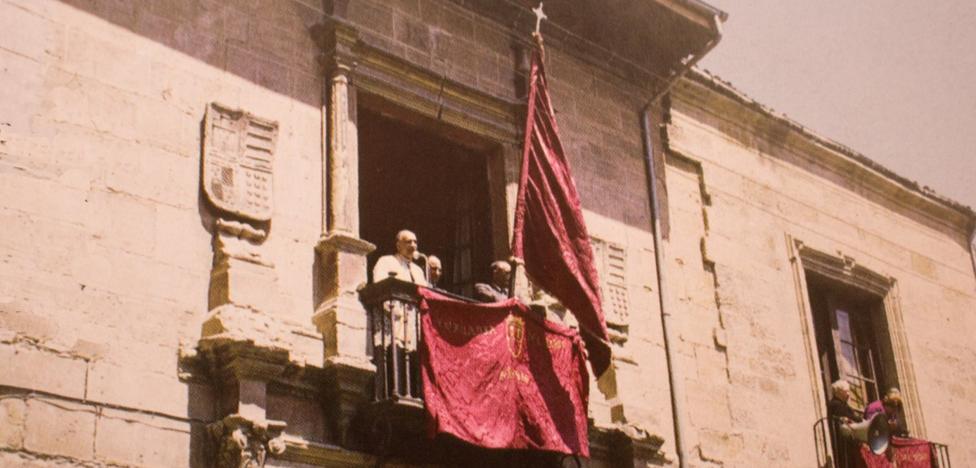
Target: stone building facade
[(193, 191)]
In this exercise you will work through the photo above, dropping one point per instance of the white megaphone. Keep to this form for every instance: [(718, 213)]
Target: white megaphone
[(874, 432)]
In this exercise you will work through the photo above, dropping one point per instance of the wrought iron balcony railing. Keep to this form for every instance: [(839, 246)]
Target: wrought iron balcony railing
[(394, 334)]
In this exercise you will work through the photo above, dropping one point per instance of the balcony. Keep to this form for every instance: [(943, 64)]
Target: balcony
[(394, 417), (393, 420), (833, 452)]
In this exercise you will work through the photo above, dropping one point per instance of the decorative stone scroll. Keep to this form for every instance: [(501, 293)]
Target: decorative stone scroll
[(238, 152)]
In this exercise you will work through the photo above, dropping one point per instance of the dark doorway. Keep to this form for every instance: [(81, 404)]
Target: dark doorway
[(413, 178), (852, 339)]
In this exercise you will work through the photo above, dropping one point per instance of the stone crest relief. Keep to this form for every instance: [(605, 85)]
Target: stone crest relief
[(238, 152)]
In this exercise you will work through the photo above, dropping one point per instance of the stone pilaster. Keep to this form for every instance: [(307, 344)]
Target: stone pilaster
[(340, 166), (340, 317)]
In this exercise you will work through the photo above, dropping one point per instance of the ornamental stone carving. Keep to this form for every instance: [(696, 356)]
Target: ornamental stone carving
[(238, 152), (242, 443)]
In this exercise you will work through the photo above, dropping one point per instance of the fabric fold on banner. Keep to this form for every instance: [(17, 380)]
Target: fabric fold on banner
[(550, 234), (906, 453), (497, 377)]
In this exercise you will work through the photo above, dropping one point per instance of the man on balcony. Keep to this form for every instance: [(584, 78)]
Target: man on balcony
[(497, 290), (846, 449), (436, 271), (401, 265)]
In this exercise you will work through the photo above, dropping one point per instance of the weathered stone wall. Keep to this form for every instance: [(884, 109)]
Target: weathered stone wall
[(105, 263), (742, 188), (105, 258)]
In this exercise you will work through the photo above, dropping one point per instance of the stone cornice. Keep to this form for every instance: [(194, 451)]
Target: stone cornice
[(434, 96), (844, 268), (418, 89), (721, 101)]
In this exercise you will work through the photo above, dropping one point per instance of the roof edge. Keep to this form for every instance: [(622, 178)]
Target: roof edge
[(727, 89), (695, 11)]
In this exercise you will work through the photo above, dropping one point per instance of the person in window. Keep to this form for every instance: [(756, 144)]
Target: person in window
[(497, 290), (838, 408), (841, 413), (401, 265), (436, 270), (890, 406)]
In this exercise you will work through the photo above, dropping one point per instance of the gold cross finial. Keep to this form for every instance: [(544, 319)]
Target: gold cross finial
[(539, 16)]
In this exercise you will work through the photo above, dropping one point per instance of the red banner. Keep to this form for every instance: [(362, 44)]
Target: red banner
[(550, 234), (498, 377), (905, 452)]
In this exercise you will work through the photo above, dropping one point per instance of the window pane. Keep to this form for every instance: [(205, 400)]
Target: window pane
[(844, 326), (847, 361)]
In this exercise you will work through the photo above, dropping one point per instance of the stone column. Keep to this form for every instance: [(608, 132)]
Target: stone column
[(340, 317)]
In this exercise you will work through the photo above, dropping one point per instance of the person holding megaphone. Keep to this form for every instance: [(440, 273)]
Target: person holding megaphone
[(846, 447)]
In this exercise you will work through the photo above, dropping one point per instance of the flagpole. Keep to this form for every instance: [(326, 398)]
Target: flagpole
[(515, 261)]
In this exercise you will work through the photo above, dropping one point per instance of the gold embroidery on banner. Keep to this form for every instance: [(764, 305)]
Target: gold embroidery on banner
[(463, 329), (554, 343), (509, 373), (516, 335)]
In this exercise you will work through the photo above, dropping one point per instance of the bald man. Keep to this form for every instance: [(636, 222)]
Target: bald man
[(497, 290), (401, 265), (436, 270)]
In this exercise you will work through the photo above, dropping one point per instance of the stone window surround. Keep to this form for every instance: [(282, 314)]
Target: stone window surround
[(845, 269)]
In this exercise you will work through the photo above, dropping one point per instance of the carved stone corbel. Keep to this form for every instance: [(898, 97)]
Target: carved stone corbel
[(242, 443)]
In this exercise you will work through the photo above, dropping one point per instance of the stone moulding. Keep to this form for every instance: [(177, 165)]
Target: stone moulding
[(416, 88)]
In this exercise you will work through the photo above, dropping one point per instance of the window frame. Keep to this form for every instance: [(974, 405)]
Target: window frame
[(846, 270)]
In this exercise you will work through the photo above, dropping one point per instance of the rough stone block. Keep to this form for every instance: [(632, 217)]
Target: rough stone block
[(17, 317), (258, 69), (134, 388), (29, 33), (59, 427), (26, 460), (126, 222), (412, 33), (13, 415), (305, 418), (708, 405), (32, 368), (243, 283), (372, 16), (95, 55), (131, 439), (177, 245), (719, 445)]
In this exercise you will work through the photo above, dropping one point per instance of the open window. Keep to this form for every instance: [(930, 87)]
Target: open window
[(852, 339), (412, 176)]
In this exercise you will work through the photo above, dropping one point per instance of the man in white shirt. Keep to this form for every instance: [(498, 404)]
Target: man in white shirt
[(400, 265)]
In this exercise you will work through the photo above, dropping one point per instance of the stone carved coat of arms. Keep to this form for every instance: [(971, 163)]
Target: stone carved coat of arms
[(238, 152)]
